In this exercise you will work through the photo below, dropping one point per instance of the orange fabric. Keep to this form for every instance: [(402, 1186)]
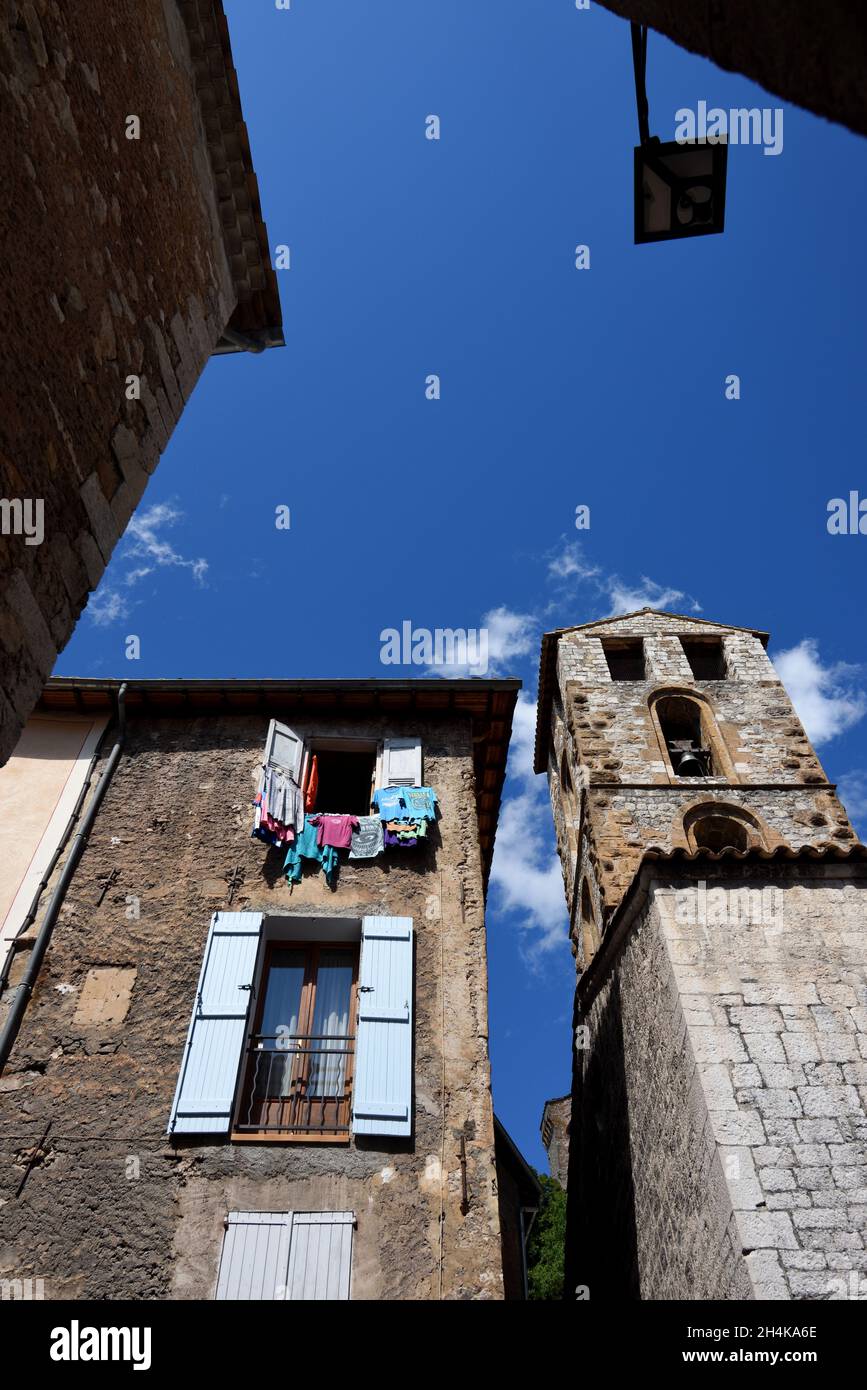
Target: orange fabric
[(312, 785)]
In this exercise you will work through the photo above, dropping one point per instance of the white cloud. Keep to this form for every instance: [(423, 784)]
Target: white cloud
[(526, 874), (106, 607), (509, 637), (615, 594), (647, 594), (145, 542), (826, 700)]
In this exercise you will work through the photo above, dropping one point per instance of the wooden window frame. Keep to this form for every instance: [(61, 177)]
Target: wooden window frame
[(313, 951)]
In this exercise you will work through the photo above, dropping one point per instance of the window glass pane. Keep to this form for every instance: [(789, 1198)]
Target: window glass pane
[(331, 1020), (280, 1019)]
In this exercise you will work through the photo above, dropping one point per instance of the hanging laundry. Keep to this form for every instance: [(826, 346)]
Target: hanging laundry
[(367, 839), (420, 802), (402, 837), (278, 810), (335, 831), (312, 785), (307, 847), (388, 801)]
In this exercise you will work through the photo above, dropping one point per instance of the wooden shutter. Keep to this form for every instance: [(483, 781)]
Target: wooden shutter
[(320, 1255), (205, 1092), (382, 1101), (255, 1255), (284, 749), (401, 762)]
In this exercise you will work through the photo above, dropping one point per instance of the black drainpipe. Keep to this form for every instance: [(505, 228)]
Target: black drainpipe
[(24, 990)]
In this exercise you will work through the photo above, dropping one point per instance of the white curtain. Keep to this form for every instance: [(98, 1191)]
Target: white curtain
[(331, 1020)]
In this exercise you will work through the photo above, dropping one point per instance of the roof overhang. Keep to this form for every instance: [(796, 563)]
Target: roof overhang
[(257, 321)]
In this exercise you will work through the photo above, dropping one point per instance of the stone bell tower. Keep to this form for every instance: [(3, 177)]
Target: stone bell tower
[(716, 894)]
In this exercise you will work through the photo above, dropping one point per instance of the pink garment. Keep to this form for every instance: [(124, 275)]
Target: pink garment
[(284, 834), (334, 830)]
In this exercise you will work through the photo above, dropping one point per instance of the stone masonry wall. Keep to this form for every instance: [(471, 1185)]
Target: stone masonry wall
[(722, 1097), (110, 1207), (632, 801), (114, 265)]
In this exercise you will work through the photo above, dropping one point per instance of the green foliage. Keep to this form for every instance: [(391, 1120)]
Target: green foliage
[(547, 1242)]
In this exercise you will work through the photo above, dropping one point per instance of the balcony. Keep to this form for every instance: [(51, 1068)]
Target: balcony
[(296, 1085)]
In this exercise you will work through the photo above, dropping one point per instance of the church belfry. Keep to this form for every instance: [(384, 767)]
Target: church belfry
[(716, 899)]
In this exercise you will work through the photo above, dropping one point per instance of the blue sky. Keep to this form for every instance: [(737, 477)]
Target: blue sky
[(558, 387)]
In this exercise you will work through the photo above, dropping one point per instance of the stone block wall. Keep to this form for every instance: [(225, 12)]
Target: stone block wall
[(719, 1138), (111, 1207), (114, 267)]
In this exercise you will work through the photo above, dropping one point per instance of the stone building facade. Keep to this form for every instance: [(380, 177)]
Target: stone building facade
[(133, 249), (112, 1183), (811, 57), (718, 1139)]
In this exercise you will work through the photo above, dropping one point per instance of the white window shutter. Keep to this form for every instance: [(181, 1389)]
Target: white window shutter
[(255, 1255), (320, 1256), (205, 1094), (284, 749), (401, 762), (382, 1088)]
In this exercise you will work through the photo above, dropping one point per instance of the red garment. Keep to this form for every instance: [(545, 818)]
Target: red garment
[(312, 785), (334, 830)]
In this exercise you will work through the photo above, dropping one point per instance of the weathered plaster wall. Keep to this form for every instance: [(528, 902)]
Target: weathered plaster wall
[(114, 265), (112, 1209), (721, 1101)]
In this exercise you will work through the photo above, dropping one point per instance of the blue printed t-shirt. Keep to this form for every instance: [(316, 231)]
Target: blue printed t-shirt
[(421, 802), (389, 803)]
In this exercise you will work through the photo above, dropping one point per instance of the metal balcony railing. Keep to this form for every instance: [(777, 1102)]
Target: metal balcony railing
[(297, 1083)]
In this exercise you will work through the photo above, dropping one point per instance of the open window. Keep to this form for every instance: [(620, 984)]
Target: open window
[(301, 1029), (680, 721), (706, 657), (589, 930), (298, 1071), (625, 658), (346, 774)]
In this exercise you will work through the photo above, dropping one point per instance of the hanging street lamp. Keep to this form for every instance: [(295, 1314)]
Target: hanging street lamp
[(680, 189)]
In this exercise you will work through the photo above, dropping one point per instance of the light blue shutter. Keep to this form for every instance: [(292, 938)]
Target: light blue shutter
[(383, 1060), (255, 1255), (205, 1093), (320, 1255)]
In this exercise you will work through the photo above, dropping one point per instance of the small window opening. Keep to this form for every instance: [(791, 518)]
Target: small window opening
[(589, 929), (625, 659), (680, 721), (345, 781), (565, 775), (706, 658), (720, 832)]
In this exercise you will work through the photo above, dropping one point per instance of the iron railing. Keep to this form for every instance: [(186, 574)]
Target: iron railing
[(297, 1083)]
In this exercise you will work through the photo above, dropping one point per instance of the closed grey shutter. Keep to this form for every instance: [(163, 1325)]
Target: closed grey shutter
[(284, 749), (320, 1256), (205, 1093), (255, 1255)]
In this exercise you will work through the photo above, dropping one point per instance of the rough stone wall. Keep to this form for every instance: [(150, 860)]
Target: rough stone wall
[(111, 1208), (728, 1044), (555, 1136), (648, 1215), (114, 265), (778, 44)]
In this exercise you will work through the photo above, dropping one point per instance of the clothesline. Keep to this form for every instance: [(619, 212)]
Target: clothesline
[(284, 814)]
